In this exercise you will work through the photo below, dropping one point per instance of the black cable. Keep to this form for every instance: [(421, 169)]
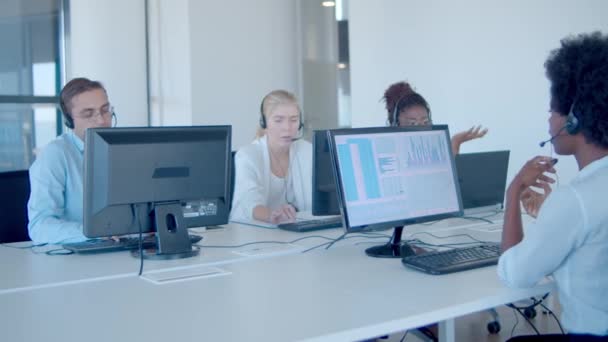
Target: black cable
[(141, 238), (404, 335), (336, 240), (477, 218), (58, 251), (315, 247), (516, 322), (32, 246), (449, 236), (527, 319), (555, 317)]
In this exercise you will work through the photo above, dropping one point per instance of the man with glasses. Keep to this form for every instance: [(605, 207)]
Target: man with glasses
[(56, 177)]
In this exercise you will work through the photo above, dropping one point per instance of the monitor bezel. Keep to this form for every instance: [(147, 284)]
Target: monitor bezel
[(393, 223)]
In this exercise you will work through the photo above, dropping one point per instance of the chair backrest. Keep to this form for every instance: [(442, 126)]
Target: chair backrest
[(14, 194)]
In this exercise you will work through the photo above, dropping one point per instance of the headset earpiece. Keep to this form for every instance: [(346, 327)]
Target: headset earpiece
[(67, 117), (262, 117), (572, 125)]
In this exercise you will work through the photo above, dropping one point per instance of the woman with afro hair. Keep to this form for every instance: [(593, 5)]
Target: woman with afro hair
[(570, 237)]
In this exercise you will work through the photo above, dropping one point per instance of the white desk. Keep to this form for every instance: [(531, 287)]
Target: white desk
[(24, 270), (337, 295), (340, 294)]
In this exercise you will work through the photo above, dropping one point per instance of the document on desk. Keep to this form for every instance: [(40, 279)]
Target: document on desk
[(183, 274)]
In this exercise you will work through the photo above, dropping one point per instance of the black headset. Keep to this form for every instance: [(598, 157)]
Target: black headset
[(572, 123), (69, 121), (263, 123), (395, 116)]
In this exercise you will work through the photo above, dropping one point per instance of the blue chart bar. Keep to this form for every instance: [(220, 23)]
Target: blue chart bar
[(426, 151), (368, 167), (347, 173)]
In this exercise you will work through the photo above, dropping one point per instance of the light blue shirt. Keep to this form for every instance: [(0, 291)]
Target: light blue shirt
[(55, 204), (569, 241)]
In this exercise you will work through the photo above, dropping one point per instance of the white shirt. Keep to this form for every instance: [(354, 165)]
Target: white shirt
[(252, 178), (277, 196), (570, 241)]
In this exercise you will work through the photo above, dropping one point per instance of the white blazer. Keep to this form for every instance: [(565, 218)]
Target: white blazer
[(252, 177)]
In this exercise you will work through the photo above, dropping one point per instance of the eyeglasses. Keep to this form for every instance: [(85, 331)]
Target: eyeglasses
[(424, 122), (90, 114)]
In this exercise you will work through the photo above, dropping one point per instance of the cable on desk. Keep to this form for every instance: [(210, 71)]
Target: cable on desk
[(52, 252), (267, 242), (32, 246), (449, 236), (404, 336), (478, 218), (58, 251), (336, 240), (315, 247)]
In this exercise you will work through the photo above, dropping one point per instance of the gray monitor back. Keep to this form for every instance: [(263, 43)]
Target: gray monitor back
[(150, 165)]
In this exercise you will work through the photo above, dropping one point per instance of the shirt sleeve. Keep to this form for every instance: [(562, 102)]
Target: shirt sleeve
[(547, 243), (46, 206), (248, 188)]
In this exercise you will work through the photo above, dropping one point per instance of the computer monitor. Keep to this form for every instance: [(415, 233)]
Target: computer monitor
[(394, 176), (142, 180), (324, 194), (483, 179)]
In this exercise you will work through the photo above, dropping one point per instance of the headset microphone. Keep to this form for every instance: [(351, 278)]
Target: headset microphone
[(543, 143)]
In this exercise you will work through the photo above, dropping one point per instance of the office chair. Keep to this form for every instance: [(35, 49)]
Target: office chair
[(14, 194)]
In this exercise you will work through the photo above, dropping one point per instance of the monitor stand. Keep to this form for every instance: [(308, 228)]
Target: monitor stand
[(172, 240), (393, 249)]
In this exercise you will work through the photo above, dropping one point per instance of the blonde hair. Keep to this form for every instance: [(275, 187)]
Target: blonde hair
[(270, 102)]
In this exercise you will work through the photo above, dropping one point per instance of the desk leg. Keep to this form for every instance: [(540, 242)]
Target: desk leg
[(447, 331)]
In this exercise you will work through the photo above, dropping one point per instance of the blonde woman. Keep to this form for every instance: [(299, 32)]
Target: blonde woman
[(273, 174)]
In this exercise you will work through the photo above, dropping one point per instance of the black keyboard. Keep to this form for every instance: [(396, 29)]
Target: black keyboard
[(123, 244), (455, 260), (311, 225)]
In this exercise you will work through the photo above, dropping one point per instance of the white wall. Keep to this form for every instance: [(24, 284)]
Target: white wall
[(240, 50), (170, 63), (107, 43), (475, 61)]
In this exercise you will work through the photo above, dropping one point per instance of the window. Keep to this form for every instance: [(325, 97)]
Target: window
[(30, 69)]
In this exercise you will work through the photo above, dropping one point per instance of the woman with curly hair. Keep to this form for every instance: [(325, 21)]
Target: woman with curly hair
[(570, 237), (405, 107)]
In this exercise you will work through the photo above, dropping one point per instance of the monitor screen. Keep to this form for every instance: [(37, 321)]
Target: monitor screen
[(394, 176), (483, 178), (131, 173), (324, 193)]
